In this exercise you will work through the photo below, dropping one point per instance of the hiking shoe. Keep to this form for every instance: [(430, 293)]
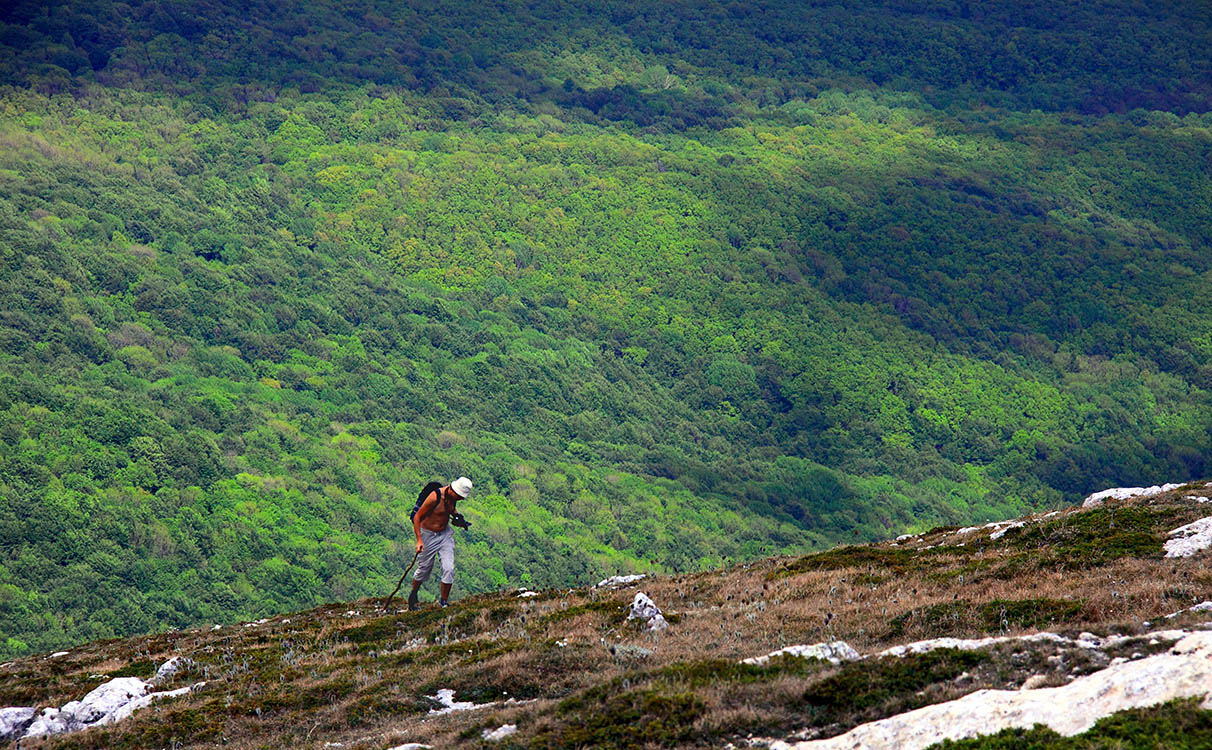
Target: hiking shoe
[(443, 603), (412, 600)]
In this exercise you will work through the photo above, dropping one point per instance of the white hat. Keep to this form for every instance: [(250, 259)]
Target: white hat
[(462, 486)]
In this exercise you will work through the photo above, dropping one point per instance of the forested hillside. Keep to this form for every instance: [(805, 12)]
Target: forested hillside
[(674, 284)]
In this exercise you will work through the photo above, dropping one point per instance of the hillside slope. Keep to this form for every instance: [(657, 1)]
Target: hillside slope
[(676, 286), (569, 669)]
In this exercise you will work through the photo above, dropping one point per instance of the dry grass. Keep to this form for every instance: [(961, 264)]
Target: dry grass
[(321, 676)]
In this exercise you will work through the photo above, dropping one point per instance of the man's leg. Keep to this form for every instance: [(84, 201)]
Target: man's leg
[(424, 565), (446, 557)]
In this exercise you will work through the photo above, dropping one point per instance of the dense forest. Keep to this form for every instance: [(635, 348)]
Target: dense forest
[(676, 284)]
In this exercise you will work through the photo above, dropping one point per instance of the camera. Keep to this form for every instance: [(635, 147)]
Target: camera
[(457, 519)]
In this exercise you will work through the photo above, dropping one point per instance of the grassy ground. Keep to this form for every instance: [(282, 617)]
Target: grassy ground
[(572, 672)]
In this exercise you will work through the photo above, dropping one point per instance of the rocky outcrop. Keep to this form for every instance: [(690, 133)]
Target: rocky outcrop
[(1184, 672), (1123, 493), (1187, 540), (500, 733), (613, 581), (445, 697), (834, 652), (105, 704), (14, 721), (643, 608)]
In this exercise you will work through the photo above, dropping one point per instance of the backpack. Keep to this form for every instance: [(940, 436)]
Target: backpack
[(426, 491)]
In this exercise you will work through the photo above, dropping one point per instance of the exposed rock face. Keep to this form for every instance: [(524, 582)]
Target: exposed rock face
[(1184, 672), (1203, 606), (643, 608), (1123, 493), (1187, 540), (619, 580), (1003, 530), (967, 644), (500, 733), (445, 697), (835, 652), (14, 721), (171, 667), (105, 704)]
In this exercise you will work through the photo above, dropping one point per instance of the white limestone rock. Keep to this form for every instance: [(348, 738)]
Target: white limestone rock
[(105, 704), (1001, 532), (500, 733), (1123, 493), (14, 721), (104, 700), (969, 644), (834, 652), (47, 722), (1184, 672), (1189, 539), (445, 697), (643, 608), (619, 580), (1203, 606), (170, 668)]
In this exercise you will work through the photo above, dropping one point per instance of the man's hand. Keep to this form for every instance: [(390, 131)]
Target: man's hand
[(420, 546)]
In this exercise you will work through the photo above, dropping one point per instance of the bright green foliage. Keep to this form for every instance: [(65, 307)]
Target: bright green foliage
[(675, 287)]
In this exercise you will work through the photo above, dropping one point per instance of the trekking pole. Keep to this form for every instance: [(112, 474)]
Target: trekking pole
[(401, 583)]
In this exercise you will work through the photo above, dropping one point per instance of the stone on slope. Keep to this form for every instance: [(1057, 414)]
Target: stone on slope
[(834, 652), (1123, 493), (445, 696), (619, 580), (643, 608), (969, 644), (14, 721), (1184, 672), (1003, 530), (500, 733), (170, 668), (1189, 539), (104, 704)]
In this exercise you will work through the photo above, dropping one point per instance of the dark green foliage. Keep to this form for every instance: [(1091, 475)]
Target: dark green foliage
[(172, 726), (1178, 725), (613, 612), (843, 697), (374, 631), (631, 720), (720, 672), (144, 669), (675, 286), (996, 616), (890, 684), (1099, 535)]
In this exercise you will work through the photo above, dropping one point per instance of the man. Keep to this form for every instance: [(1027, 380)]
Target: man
[(435, 537)]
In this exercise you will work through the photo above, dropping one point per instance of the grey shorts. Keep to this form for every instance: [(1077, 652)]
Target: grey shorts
[(439, 544)]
